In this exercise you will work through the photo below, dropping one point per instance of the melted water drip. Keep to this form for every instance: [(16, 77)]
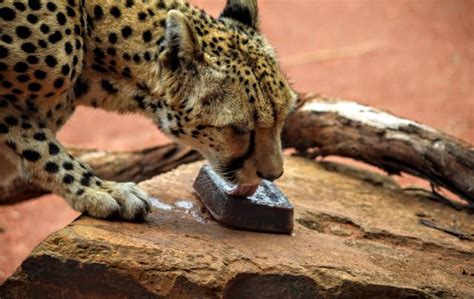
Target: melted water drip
[(156, 203)]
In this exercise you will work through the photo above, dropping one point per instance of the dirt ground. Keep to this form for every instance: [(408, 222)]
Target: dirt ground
[(413, 58)]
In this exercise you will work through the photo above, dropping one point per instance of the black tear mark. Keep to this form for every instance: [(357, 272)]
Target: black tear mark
[(229, 169)]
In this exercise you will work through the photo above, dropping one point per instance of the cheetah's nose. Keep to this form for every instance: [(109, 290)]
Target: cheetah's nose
[(268, 176)]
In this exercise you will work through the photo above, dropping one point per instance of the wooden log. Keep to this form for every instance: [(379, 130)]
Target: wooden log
[(318, 127), (336, 127)]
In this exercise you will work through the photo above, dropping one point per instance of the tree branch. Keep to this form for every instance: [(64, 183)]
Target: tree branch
[(394, 144)]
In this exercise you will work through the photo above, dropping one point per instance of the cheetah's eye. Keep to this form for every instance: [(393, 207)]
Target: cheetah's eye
[(238, 130)]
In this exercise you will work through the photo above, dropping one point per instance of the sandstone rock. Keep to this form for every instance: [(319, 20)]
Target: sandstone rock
[(356, 235)]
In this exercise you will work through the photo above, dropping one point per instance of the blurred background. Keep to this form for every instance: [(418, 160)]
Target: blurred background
[(414, 58)]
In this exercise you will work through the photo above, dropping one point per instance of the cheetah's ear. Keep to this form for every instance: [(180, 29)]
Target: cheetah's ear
[(182, 45), (243, 11)]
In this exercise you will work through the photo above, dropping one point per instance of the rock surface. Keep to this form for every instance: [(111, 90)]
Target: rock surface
[(356, 235)]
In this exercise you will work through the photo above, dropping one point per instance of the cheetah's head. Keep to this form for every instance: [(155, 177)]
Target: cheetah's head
[(225, 93)]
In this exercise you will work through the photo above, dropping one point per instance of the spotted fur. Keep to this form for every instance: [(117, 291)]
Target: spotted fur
[(214, 84)]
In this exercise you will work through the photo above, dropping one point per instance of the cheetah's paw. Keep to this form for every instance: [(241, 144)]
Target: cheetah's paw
[(125, 201)]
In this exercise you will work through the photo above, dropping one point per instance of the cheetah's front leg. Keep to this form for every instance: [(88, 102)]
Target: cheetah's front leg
[(49, 165)]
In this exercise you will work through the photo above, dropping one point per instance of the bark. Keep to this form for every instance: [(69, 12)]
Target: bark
[(318, 127), (323, 127)]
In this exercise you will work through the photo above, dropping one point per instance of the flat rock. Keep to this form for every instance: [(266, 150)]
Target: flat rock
[(356, 234)]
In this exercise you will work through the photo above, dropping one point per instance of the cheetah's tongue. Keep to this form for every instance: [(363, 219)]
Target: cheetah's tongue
[(244, 190)]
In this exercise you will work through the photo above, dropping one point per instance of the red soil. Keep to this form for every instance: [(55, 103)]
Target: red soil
[(413, 58)]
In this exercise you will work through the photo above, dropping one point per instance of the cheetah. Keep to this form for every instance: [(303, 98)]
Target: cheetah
[(210, 83)]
